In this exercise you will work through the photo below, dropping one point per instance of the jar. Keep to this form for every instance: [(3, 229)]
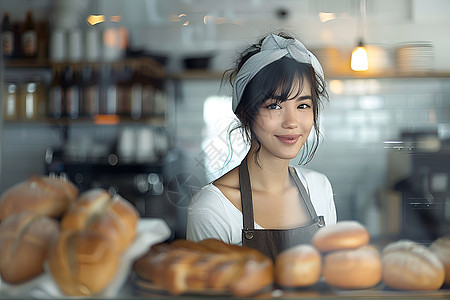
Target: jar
[(31, 100), (10, 101)]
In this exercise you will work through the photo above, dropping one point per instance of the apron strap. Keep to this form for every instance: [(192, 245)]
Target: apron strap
[(306, 199), (246, 196)]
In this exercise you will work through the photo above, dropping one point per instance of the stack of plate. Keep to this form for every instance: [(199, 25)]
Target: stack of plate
[(415, 57)]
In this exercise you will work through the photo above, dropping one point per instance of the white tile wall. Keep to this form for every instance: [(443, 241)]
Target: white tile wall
[(352, 153)]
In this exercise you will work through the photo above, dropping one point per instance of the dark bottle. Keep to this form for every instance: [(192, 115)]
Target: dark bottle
[(123, 91), (72, 93), (91, 92), (55, 103), (7, 37), (29, 37), (136, 95), (108, 92)]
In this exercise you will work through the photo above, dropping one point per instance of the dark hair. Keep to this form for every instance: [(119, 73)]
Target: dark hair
[(266, 84)]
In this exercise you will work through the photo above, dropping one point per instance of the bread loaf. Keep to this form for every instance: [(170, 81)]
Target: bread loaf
[(94, 233), (441, 248), (210, 265), (298, 266), (49, 196), (340, 236), (97, 211), (83, 263), (357, 268), (411, 266), (24, 245)]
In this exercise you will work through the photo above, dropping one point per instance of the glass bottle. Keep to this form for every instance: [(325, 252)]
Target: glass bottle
[(7, 37), (72, 93), (136, 95), (29, 37), (91, 92), (56, 95)]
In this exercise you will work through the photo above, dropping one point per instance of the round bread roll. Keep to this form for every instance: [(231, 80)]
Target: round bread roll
[(24, 245), (441, 247), (340, 236), (49, 196), (358, 268), (298, 266), (411, 266)]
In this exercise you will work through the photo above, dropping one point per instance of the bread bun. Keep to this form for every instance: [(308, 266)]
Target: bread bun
[(49, 196), (24, 245), (340, 236), (358, 268), (94, 233), (298, 266), (410, 266), (441, 247)]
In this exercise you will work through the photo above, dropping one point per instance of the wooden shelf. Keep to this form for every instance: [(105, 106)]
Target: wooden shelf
[(134, 63), (214, 75), (156, 120)]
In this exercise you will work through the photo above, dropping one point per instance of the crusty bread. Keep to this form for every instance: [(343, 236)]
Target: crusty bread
[(94, 233), (49, 196), (24, 244), (441, 247), (408, 265), (298, 266), (97, 211), (357, 268), (210, 265), (340, 236), (83, 263)]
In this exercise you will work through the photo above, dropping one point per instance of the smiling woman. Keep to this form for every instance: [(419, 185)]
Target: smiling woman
[(278, 87)]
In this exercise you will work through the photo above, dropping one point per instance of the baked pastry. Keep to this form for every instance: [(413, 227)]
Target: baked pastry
[(208, 266), (358, 268), (83, 263), (49, 196), (408, 265), (441, 247), (24, 245), (298, 266), (339, 236), (94, 233), (96, 210)]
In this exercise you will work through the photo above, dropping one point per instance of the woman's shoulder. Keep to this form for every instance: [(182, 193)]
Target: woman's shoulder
[(310, 175), (228, 185)]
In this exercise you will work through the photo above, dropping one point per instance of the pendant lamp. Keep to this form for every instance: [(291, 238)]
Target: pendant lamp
[(359, 61)]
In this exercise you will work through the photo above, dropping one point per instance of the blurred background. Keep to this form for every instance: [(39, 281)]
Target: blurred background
[(127, 96)]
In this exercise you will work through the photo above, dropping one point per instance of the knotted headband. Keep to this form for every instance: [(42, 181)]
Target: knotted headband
[(273, 48)]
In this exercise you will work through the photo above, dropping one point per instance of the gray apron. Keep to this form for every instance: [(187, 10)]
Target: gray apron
[(272, 241)]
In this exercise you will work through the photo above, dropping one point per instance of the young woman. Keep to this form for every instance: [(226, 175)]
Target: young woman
[(278, 86)]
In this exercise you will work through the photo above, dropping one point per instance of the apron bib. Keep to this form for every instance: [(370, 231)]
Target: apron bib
[(272, 241)]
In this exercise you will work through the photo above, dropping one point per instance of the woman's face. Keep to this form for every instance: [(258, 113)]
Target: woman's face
[(282, 128)]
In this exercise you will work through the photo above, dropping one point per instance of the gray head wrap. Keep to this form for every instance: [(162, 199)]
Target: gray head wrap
[(273, 48)]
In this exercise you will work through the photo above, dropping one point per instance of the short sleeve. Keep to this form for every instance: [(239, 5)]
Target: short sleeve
[(207, 217)]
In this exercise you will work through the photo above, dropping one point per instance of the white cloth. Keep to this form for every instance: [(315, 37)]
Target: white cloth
[(273, 48), (211, 215)]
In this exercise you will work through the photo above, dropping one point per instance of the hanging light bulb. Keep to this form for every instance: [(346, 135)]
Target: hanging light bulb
[(359, 61)]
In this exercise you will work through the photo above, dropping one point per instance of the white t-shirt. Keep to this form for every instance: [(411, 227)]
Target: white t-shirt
[(211, 215)]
